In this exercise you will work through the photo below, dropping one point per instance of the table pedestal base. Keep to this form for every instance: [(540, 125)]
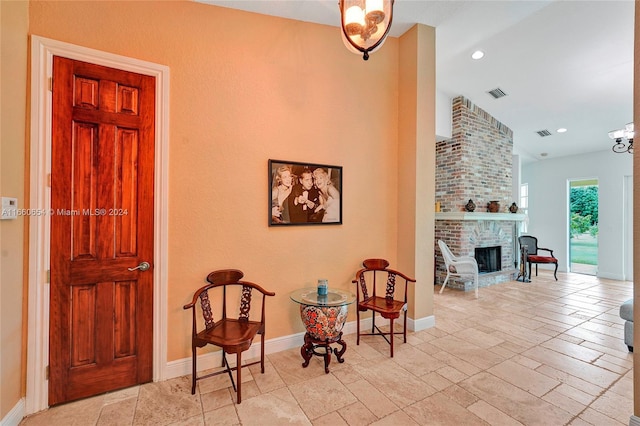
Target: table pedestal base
[(311, 346)]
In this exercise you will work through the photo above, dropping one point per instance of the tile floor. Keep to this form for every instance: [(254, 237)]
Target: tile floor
[(540, 353)]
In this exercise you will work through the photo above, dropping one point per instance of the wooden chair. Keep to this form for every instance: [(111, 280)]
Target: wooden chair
[(458, 266), (232, 334), (386, 306), (532, 255)]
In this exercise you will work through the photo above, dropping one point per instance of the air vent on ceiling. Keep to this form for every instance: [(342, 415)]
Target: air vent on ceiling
[(543, 133), (497, 93)]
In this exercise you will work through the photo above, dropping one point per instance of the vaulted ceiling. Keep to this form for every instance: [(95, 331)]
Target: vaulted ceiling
[(562, 64)]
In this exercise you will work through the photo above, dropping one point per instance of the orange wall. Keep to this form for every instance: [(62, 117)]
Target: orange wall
[(13, 73), (245, 88)]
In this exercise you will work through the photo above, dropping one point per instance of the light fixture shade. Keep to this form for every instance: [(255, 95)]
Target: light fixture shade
[(365, 24), (616, 134)]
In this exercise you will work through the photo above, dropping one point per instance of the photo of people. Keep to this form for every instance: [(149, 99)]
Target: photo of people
[(304, 193)]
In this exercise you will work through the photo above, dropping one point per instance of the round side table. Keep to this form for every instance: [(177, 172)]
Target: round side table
[(324, 318)]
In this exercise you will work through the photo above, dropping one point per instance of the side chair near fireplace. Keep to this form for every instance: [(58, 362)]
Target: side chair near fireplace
[(458, 266), (370, 283), (232, 334), (532, 255)]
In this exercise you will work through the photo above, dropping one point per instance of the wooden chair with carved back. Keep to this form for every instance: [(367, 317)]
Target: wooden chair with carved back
[(533, 255), (371, 296), (233, 334)]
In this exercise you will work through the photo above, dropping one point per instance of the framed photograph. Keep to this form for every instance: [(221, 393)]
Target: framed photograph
[(304, 194)]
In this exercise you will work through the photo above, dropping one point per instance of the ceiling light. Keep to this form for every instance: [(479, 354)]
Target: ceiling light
[(620, 136), (478, 54), (365, 24), (561, 130)]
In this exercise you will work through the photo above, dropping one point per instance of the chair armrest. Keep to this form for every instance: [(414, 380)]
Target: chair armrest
[(463, 260), (546, 249)]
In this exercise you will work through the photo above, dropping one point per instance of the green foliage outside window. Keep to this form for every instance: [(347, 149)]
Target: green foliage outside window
[(584, 210)]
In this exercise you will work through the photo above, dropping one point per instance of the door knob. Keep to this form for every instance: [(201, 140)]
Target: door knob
[(142, 266)]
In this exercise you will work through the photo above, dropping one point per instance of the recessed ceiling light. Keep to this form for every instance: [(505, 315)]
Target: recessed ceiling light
[(561, 130), (478, 54)]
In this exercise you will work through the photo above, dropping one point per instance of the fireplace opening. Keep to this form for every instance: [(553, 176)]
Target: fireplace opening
[(489, 259)]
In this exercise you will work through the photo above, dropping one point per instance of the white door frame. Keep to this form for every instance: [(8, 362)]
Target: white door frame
[(628, 228), (42, 52)]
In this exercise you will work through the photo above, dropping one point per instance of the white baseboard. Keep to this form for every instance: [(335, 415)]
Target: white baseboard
[(14, 417), (182, 367), (634, 421), (611, 276)]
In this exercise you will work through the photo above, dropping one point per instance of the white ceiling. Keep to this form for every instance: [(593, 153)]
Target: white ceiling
[(562, 63)]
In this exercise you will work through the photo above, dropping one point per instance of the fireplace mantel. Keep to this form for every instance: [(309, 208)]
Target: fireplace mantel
[(514, 217)]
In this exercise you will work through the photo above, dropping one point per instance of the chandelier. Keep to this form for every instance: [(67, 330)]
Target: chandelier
[(619, 136), (365, 24)]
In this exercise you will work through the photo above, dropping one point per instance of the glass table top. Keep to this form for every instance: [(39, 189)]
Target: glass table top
[(334, 297)]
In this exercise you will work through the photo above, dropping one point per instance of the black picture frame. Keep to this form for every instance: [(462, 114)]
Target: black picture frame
[(313, 197)]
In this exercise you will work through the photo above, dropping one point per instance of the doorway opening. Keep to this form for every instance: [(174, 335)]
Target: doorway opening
[(583, 226)]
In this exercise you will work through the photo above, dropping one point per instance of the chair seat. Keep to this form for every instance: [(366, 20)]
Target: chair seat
[(235, 336), (541, 259), (388, 308)]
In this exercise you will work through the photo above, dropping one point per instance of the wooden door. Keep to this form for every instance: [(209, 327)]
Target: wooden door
[(101, 312)]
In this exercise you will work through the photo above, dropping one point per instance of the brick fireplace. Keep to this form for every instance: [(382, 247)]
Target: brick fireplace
[(476, 164)]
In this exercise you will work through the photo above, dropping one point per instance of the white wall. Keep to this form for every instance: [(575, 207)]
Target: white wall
[(548, 205)]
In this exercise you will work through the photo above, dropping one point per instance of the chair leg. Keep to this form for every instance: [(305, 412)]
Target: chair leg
[(475, 281), (404, 332), (391, 336), (262, 352), (239, 375), (444, 283), (225, 364), (193, 370), (373, 321), (555, 272), (536, 269), (357, 325)]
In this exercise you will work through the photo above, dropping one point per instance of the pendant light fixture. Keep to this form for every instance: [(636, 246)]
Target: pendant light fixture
[(365, 24)]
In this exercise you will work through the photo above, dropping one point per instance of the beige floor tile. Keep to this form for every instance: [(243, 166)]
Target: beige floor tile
[(492, 415), (441, 410), (372, 398), (217, 399), (331, 419), (540, 353), (523, 377), (596, 418), (166, 402), (274, 408), (587, 372), (575, 394), (357, 414), (613, 405), (564, 402), (573, 350), (190, 421), (515, 402), (224, 416), (394, 382), (83, 412), (573, 381), (395, 419), (436, 381), (460, 395), (118, 413), (321, 395)]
